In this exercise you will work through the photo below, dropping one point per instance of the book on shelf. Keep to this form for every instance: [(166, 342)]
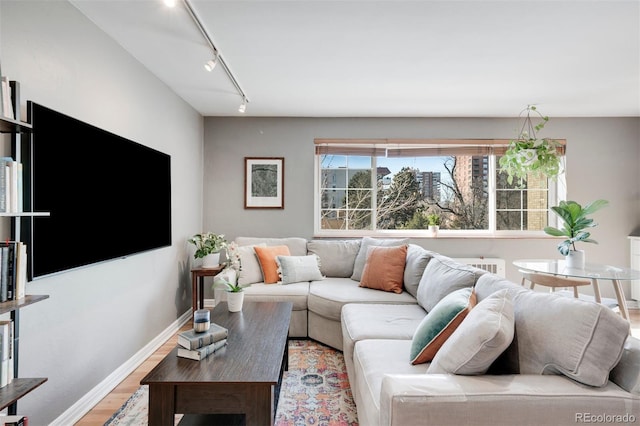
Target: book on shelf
[(11, 181), (6, 352), (13, 270), (7, 106), (203, 352), (191, 340)]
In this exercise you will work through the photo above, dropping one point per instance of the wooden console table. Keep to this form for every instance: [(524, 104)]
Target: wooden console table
[(200, 273)]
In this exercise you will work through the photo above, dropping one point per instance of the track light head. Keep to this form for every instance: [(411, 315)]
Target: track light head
[(243, 106), (211, 64), (170, 3)]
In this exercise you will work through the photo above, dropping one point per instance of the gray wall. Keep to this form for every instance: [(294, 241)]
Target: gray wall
[(99, 316), (602, 162)]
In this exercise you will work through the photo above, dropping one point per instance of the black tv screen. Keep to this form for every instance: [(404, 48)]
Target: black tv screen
[(108, 197)]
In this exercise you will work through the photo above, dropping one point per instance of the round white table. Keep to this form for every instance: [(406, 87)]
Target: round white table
[(591, 271)]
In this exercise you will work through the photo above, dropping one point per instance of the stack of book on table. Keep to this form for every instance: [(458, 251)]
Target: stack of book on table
[(198, 346)]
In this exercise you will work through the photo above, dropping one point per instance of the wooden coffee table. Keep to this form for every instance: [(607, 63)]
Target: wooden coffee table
[(242, 378)]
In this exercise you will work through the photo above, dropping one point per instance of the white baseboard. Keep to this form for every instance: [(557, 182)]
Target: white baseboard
[(95, 395)]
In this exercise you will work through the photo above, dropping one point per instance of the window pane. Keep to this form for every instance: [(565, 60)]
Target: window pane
[(332, 219), (410, 188), (333, 199), (346, 192), (522, 206)]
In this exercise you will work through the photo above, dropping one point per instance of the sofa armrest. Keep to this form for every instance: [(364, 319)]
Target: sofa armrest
[(627, 373), (443, 399)]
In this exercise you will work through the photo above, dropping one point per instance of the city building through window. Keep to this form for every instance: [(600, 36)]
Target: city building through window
[(365, 187)]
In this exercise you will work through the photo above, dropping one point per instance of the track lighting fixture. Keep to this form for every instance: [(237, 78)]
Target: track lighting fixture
[(211, 63), (170, 3)]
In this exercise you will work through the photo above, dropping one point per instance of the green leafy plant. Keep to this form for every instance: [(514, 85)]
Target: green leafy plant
[(228, 285), (575, 222), (207, 243), (529, 155), (433, 219)]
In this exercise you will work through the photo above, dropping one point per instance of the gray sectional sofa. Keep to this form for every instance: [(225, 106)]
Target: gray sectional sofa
[(516, 357)]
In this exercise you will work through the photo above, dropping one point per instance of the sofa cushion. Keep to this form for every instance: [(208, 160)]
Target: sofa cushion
[(384, 269), (417, 260), (481, 338), (561, 335), (297, 246), (267, 260), (250, 271), (336, 257), (373, 360), (361, 258), (293, 269), (442, 276), (440, 323), (327, 297), (295, 293)]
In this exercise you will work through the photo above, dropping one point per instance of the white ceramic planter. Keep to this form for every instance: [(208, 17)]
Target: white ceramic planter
[(234, 301), (211, 260), (434, 230), (575, 259)]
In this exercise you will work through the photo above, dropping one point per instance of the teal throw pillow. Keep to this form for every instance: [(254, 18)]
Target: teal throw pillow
[(440, 323)]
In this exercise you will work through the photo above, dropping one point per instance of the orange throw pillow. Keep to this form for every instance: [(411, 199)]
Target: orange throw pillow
[(267, 258), (384, 269)]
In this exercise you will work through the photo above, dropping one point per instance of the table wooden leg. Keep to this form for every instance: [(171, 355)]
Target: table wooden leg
[(261, 410), (194, 292), (201, 292), (596, 290), (161, 405), (622, 302)]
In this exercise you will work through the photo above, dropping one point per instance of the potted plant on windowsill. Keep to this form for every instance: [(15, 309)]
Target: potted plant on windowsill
[(527, 154), (575, 221), (433, 220), (208, 248)]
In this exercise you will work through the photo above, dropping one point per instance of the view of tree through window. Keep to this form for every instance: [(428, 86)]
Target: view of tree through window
[(385, 193)]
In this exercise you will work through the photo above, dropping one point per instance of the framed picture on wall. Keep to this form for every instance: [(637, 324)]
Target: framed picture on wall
[(264, 182)]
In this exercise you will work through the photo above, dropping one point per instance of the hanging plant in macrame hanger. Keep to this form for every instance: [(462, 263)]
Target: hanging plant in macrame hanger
[(528, 155)]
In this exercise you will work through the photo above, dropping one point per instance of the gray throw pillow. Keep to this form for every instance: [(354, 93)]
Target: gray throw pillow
[(481, 338), (442, 276), (336, 256), (361, 258), (296, 269), (417, 260)]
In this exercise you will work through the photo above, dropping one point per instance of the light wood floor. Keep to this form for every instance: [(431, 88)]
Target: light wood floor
[(112, 402)]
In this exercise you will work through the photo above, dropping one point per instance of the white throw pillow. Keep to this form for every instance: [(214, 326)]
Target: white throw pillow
[(250, 271), (484, 334)]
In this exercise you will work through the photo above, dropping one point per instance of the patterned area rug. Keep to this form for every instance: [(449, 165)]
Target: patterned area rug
[(315, 391)]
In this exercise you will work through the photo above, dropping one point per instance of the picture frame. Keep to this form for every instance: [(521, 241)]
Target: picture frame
[(264, 182)]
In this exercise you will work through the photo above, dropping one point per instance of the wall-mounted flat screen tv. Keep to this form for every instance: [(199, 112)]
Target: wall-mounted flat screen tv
[(108, 197)]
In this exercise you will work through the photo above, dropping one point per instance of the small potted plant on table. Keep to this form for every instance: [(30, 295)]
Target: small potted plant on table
[(229, 279), (575, 221), (208, 248)]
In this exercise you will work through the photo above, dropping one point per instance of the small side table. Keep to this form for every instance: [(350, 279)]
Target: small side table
[(197, 291)]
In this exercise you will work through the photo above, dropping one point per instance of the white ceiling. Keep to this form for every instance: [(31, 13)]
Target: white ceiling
[(390, 58)]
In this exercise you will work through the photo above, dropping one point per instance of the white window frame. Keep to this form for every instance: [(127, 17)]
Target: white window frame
[(556, 191)]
